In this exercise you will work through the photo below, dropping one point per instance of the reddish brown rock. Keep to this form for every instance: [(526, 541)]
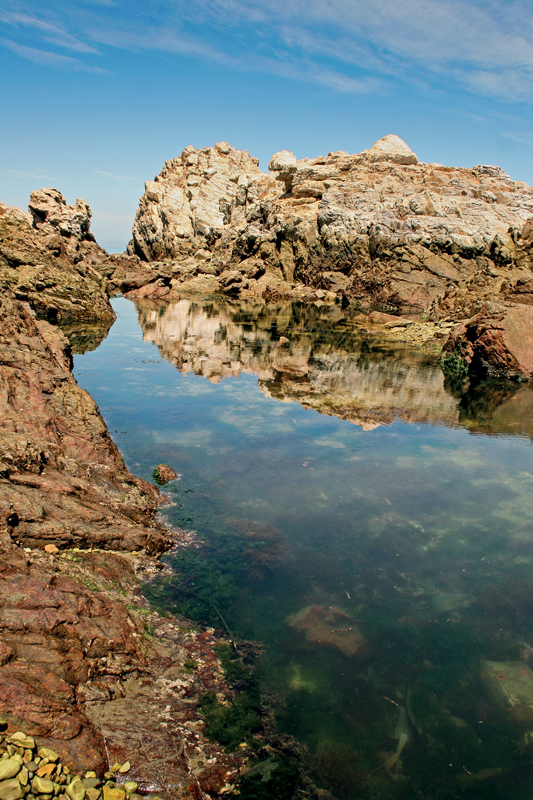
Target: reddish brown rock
[(164, 474), (498, 341)]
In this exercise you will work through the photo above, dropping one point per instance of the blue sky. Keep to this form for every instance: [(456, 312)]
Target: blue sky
[(96, 94)]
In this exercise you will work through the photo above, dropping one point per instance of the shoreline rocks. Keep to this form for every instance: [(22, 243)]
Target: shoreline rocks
[(378, 228)]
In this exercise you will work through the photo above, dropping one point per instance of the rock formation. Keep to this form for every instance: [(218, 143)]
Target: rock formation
[(378, 227), (53, 264), (80, 670)]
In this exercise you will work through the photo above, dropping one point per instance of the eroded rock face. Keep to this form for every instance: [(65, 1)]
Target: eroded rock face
[(56, 273), (378, 227), (79, 669), (195, 197), (498, 341)]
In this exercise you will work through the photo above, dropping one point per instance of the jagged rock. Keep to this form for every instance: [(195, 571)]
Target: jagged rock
[(378, 227), (498, 341), (194, 198), (51, 214), (49, 271)]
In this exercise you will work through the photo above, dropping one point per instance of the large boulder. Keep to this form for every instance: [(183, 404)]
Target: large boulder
[(392, 148), (496, 342)]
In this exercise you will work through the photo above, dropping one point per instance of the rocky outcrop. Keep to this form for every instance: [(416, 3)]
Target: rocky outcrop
[(53, 263), (85, 667), (496, 342), (379, 228)]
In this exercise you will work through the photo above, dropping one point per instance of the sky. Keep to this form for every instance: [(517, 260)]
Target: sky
[(95, 95)]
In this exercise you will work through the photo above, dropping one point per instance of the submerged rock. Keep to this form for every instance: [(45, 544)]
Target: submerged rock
[(330, 626)]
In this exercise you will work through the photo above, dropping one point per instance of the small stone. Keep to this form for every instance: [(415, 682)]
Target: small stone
[(46, 752), (126, 766), (51, 549), (76, 790), (114, 794), (90, 773), (11, 790), (21, 740), (23, 776), (283, 341), (131, 787), (92, 793), (109, 775), (9, 768), (91, 783), (31, 766), (115, 767), (42, 786), (46, 770)]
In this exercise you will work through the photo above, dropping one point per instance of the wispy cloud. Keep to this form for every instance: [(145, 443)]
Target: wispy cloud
[(23, 174), (48, 58), (483, 46), (111, 175), (50, 32)]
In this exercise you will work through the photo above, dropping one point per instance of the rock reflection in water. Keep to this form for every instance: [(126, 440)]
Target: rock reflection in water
[(329, 363), (325, 359)]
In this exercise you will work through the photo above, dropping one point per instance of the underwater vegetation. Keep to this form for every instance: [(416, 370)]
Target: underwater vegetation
[(340, 769), (234, 723)]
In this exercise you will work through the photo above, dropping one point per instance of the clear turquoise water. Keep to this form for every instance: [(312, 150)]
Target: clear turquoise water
[(413, 528)]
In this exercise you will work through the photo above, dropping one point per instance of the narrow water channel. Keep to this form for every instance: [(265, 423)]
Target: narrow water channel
[(372, 527)]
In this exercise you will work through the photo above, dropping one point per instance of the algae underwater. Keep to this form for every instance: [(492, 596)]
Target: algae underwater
[(364, 521)]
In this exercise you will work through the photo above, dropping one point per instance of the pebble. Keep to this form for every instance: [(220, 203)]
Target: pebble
[(11, 790), (42, 786), (9, 769), (114, 794), (126, 766), (76, 790)]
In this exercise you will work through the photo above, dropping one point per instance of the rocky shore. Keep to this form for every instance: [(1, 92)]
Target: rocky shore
[(90, 676)]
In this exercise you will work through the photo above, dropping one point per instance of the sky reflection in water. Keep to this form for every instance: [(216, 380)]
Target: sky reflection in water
[(382, 548)]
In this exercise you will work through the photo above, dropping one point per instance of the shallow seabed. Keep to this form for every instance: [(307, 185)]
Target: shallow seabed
[(371, 526)]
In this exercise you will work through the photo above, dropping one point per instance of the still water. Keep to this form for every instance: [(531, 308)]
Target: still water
[(372, 527)]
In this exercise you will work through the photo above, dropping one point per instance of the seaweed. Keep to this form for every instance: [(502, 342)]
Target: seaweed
[(231, 724), (277, 777), (340, 769)]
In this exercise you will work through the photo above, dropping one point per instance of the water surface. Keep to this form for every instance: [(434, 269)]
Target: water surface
[(372, 526)]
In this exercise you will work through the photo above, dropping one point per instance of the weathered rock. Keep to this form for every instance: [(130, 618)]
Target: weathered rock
[(330, 626), (163, 474), (498, 341), (378, 227), (76, 790), (51, 271)]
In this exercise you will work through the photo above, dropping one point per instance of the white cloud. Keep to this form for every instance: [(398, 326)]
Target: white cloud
[(50, 32), (48, 58), (485, 46)]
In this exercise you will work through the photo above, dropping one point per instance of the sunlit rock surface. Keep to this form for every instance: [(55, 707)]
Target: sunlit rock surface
[(378, 227)]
